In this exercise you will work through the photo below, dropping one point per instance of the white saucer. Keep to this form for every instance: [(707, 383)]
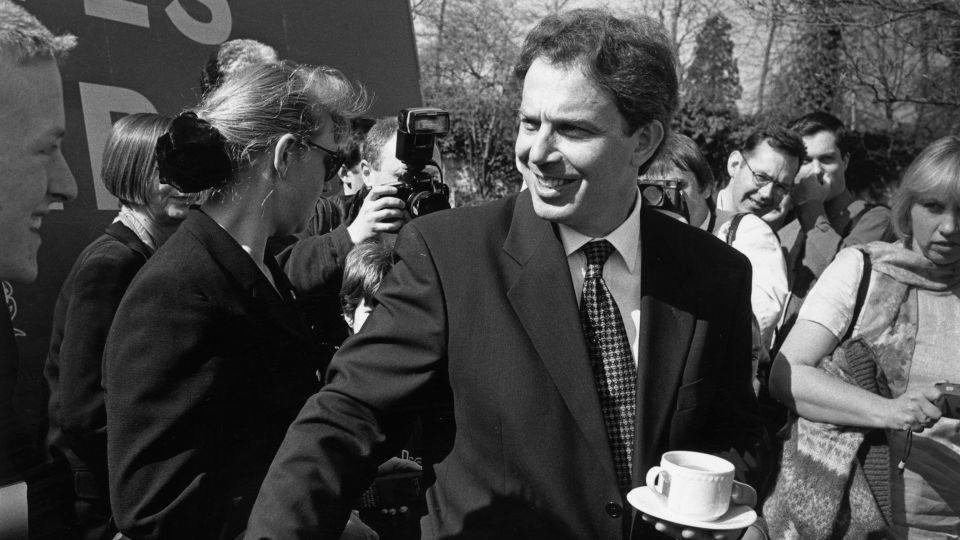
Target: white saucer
[(650, 502)]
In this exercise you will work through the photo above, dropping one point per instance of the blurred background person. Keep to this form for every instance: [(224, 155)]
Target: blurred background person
[(232, 57), (908, 317), (149, 213), (207, 361), (33, 174)]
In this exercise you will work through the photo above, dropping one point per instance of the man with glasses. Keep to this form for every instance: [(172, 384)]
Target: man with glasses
[(761, 177)]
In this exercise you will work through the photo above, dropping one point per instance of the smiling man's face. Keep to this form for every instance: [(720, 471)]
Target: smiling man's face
[(574, 152), (33, 172)]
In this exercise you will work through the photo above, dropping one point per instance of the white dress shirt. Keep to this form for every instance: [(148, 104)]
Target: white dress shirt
[(621, 272)]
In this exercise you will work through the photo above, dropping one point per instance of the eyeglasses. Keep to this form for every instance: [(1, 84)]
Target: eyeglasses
[(761, 180), (332, 160)]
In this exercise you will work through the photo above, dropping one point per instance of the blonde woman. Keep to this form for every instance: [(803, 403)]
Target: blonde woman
[(208, 362), (908, 319)]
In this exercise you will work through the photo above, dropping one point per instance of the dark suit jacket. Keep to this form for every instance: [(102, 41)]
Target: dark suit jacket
[(205, 366), (85, 308), (479, 325)]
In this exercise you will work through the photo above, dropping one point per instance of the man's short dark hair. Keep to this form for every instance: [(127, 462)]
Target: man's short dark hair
[(364, 269), (232, 57), (781, 139), (680, 152), (815, 122), (24, 38), (378, 137), (352, 145), (632, 59)]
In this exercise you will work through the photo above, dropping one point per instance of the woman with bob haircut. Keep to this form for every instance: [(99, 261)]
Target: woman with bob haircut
[(871, 445), (149, 213), (208, 362)]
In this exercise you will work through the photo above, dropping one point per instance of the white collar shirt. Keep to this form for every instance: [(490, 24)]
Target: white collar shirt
[(621, 273)]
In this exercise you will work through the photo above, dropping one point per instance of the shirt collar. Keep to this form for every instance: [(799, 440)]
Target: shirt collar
[(724, 204), (625, 238)]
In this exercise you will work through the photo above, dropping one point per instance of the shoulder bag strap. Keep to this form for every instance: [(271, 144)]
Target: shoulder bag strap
[(861, 294), (732, 231)]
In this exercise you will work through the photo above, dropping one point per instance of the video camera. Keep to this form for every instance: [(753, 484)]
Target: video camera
[(416, 139), (665, 194)]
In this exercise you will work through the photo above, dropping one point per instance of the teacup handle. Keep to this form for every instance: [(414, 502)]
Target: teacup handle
[(655, 478), (741, 493)]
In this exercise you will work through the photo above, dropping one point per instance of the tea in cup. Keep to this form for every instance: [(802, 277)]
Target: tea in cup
[(695, 485)]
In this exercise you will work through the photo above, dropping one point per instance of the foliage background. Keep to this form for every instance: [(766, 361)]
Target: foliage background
[(889, 68)]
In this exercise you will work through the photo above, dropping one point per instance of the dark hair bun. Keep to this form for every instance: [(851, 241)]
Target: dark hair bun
[(192, 155)]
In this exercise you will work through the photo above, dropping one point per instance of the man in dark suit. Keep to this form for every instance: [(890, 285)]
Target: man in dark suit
[(33, 174), (529, 398)]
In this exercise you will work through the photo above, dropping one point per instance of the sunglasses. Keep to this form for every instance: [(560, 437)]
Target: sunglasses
[(332, 160)]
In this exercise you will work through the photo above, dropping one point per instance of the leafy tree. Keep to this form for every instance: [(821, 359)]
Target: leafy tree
[(711, 88), (467, 52)]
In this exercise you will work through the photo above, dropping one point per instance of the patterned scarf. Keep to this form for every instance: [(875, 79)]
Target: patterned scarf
[(833, 481)]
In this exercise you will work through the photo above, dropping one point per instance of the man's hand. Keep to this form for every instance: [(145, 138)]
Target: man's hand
[(358, 530), (674, 530), (747, 497), (398, 465), (809, 186), (379, 213)]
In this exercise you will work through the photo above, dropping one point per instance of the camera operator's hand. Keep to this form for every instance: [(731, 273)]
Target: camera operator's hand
[(914, 409), (380, 213)]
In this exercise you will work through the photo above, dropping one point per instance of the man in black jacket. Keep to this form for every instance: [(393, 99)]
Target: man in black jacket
[(33, 174), (549, 396)]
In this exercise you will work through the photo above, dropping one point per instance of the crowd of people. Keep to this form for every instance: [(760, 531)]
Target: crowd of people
[(265, 344)]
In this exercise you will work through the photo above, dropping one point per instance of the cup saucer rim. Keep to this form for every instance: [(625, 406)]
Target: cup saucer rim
[(648, 501)]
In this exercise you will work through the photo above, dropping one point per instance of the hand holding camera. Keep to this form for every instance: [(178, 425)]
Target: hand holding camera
[(381, 212)]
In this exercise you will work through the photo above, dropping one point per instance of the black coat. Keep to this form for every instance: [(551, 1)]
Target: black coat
[(82, 316), (205, 367), (478, 324)]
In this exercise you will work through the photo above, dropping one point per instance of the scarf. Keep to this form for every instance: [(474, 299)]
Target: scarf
[(833, 481), (143, 226)]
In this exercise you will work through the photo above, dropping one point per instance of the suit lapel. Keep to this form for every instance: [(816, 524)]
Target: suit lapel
[(667, 322), (544, 300)]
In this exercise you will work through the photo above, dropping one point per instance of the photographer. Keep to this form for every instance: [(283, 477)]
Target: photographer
[(315, 262)]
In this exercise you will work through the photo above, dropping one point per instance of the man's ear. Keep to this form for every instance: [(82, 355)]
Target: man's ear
[(365, 171), (709, 190), (651, 135), (844, 161), (349, 320), (734, 162), (342, 174), (283, 154)]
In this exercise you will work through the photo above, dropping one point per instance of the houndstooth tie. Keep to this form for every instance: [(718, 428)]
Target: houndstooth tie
[(613, 367)]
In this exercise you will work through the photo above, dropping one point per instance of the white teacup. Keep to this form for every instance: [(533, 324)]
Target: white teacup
[(696, 485)]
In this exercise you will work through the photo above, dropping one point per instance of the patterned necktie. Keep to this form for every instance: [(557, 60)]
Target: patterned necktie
[(613, 368)]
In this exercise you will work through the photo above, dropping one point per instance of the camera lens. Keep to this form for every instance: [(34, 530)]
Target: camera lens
[(653, 195)]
